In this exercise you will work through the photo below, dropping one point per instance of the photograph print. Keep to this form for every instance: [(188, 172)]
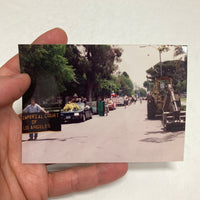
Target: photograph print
[(104, 103)]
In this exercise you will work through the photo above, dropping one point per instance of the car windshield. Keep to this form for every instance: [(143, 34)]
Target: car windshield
[(82, 105)]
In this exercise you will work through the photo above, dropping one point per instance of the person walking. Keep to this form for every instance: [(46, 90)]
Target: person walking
[(125, 101), (106, 106)]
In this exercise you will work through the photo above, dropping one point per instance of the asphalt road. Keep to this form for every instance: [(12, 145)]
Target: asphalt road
[(125, 135)]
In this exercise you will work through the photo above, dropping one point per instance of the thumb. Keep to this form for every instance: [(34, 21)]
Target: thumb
[(12, 88)]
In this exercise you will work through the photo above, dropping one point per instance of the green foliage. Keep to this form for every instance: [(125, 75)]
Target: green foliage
[(106, 87), (126, 84), (177, 69), (48, 69), (67, 69), (142, 92), (74, 57), (146, 84), (183, 107), (94, 65), (181, 86), (125, 74), (97, 62), (120, 85), (149, 85)]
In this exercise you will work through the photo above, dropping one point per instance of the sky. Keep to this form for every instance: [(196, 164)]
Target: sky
[(136, 59)]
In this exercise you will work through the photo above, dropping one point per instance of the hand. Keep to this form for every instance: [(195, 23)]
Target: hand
[(32, 181)]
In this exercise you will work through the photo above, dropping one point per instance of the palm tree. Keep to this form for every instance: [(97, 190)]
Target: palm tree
[(179, 51)]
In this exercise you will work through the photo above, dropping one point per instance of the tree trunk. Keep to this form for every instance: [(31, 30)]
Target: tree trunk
[(90, 86)]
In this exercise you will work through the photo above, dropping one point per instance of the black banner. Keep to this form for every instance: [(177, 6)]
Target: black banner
[(39, 122)]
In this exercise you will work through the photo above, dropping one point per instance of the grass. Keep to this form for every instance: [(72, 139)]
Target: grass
[(183, 100), (183, 103), (183, 107)]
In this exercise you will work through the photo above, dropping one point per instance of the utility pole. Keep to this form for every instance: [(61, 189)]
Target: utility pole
[(160, 51)]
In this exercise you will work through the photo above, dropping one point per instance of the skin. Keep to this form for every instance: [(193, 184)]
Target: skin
[(32, 102), (33, 181)]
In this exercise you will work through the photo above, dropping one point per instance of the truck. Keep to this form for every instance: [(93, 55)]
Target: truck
[(163, 101)]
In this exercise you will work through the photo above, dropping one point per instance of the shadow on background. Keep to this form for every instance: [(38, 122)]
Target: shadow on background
[(151, 166), (162, 131), (58, 139), (62, 166), (132, 166)]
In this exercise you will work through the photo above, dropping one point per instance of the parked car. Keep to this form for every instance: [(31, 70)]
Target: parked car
[(79, 113), (111, 105)]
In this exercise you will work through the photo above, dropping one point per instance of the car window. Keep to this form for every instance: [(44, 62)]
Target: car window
[(82, 105)]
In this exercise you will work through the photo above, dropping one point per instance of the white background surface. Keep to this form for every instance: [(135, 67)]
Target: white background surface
[(123, 22)]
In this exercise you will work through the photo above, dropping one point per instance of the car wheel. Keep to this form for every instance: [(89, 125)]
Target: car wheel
[(83, 118), (90, 114)]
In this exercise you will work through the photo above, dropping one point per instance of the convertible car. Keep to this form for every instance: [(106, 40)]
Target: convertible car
[(75, 112)]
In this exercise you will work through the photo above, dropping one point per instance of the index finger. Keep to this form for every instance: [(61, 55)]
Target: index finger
[(54, 36)]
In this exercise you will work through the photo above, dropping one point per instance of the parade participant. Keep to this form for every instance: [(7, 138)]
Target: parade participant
[(83, 100), (33, 108), (125, 101), (132, 99), (75, 98)]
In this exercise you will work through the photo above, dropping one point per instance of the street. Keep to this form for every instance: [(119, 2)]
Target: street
[(125, 135)]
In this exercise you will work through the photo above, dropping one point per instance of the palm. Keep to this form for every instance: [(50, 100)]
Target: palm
[(25, 181), (28, 181)]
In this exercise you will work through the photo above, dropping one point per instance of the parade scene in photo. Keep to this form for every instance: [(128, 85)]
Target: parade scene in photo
[(104, 103)]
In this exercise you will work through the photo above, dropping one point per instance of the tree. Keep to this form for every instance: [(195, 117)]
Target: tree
[(125, 74), (170, 68), (48, 68), (106, 88), (143, 92), (181, 86), (176, 69), (98, 62), (149, 85), (126, 84), (180, 52), (74, 57)]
